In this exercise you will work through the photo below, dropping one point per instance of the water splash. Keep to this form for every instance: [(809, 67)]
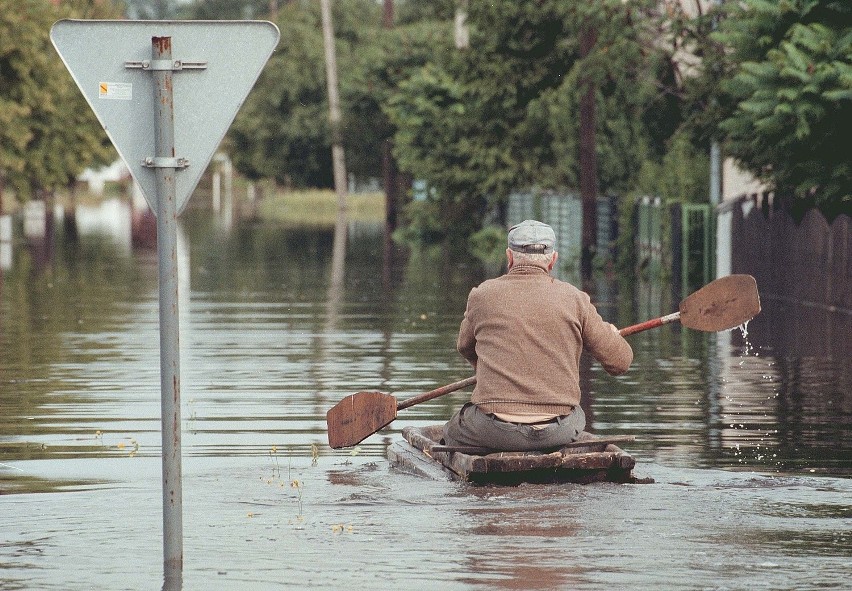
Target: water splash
[(752, 443), (748, 350)]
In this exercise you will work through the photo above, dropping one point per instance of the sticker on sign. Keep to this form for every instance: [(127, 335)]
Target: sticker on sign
[(120, 91)]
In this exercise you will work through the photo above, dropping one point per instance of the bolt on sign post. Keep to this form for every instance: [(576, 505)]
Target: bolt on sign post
[(166, 92)]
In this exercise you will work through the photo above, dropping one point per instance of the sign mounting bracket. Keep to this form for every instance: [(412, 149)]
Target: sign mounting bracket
[(165, 65), (164, 162)]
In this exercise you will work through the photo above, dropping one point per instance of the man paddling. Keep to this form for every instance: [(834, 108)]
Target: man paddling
[(523, 333)]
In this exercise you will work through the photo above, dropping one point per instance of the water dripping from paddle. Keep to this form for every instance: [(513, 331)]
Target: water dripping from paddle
[(747, 347), (761, 449)]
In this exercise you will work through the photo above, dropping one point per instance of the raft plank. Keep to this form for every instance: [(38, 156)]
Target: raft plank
[(588, 460), (582, 446), (410, 459)]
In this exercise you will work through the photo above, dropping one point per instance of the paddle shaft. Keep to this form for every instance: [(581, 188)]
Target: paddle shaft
[(436, 392), (629, 330)]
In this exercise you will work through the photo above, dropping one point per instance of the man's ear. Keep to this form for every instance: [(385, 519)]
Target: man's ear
[(510, 258), (553, 261)]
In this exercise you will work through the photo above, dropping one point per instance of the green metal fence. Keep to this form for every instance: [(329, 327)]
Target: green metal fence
[(696, 245), (689, 232), (562, 210), (649, 234)]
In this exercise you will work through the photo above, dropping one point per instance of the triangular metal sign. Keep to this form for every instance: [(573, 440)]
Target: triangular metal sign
[(216, 63)]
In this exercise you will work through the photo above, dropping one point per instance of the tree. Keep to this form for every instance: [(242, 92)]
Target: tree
[(52, 135), (503, 114), (378, 69), (15, 79), (462, 120), (282, 132), (790, 83)]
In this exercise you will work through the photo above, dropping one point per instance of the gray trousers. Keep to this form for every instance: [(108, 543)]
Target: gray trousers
[(470, 426)]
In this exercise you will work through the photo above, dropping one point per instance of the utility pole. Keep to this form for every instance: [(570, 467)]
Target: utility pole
[(462, 32), (387, 14), (722, 234), (715, 149), (337, 155), (715, 173), (389, 169), (588, 160)]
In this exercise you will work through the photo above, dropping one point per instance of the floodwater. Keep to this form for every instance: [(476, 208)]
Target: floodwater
[(748, 437)]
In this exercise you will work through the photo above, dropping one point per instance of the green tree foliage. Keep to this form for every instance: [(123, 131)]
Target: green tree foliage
[(791, 84), (378, 68), (282, 132), (699, 69), (408, 12), (16, 87), (638, 104), (49, 135), (503, 114), (462, 119), (680, 176)]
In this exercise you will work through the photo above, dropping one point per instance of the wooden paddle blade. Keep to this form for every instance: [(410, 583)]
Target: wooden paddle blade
[(358, 416), (722, 304)]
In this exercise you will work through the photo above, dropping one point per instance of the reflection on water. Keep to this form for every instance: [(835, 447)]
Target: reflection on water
[(278, 324), (782, 405), (503, 522), (270, 319)]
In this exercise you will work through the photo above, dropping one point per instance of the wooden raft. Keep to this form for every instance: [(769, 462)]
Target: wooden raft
[(590, 459)]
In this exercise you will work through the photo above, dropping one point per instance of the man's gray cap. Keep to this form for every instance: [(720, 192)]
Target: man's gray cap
[(531, 236)]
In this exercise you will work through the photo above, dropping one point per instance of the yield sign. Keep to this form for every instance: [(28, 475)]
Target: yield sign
[(215, 64)]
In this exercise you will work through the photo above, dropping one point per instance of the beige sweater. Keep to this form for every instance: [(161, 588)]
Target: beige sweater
[(524, 333)]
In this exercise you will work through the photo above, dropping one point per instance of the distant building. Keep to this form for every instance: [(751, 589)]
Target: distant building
[(96, 179)]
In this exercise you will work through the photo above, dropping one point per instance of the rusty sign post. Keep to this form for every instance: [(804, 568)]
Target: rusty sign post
[(166, 166), (160, 123)]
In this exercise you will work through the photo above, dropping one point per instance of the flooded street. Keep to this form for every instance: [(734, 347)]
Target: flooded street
[(748, 434)]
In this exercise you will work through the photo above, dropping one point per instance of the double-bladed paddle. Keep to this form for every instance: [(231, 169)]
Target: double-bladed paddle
[(722, 304)]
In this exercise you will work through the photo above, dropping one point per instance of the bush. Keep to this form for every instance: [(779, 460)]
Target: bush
[(488, 244), (422, 224)]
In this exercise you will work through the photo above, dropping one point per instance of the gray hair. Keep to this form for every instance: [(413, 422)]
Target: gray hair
[(536, 259)]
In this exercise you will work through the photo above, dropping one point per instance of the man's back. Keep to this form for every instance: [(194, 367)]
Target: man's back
[(525, 331)]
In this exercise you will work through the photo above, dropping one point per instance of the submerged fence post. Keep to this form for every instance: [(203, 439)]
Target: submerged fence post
[(161, 52)]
